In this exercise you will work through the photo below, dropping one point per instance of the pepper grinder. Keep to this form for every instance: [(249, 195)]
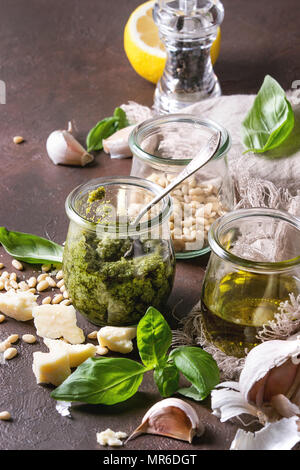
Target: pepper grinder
[(187, 29)]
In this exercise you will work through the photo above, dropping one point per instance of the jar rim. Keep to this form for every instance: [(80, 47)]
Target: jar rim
[(142, 183), (251, 265), (147, 125)]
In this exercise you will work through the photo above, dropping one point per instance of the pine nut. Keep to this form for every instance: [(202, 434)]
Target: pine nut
[(5, 275), (1, 265), (46, 268), (43, 285), (13, 284), (33, 290), (57, 298), (4, 345), (10, 353), (13, 277), (23, 286), (66, 302), (92, 335), (66, 294), (101, 350), (7, 285), (59, 275), (5, 416), (51, 281), (32, 282), (17, 265), (42, 277), (30, 339), (12, 338), (62, 289), (2, 318), (1, 285), (18, 139), (46, 300), (60, 283)]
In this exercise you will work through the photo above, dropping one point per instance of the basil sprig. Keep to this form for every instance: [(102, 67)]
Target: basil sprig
[(102, 380), (105, 128), (30, 248), (270, 120), (197, 366)]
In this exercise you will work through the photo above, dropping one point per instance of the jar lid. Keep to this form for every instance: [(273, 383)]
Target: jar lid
[(188, 18)]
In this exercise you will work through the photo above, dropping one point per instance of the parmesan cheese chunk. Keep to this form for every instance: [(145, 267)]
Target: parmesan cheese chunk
[(77, 353), (18, 305), (111, 438), (117, 338), (51, 368), (57, 321)]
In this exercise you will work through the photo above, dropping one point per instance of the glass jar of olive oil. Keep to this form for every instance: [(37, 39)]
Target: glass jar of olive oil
[(254, 266)]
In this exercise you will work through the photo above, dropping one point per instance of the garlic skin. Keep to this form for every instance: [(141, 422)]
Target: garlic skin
[(64, 149), (171, 417), (282, 435)]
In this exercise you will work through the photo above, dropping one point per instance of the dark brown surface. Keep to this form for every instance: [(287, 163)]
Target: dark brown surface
[(62, 61)]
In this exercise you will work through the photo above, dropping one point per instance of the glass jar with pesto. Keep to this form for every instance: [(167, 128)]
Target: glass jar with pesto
[(114, 271)]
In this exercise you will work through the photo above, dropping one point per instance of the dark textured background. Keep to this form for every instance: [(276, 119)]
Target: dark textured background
[(64, 60)]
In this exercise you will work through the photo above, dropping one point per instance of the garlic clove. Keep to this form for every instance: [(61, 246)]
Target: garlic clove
[(271, 372), (284, 406), (264, 358), (173, 418), (117, 144), (64, 149)]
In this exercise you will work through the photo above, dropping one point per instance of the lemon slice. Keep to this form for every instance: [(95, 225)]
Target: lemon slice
[(143, 47)]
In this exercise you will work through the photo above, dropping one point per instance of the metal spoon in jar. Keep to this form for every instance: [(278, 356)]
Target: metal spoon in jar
[(205, 154)]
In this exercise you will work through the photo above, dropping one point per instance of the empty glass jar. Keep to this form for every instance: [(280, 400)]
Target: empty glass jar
[(253, 267), (114, 271), (161, 148)]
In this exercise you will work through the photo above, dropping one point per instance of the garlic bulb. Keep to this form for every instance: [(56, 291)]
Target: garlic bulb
[(117, 144), (268, 388), (171, 417), (64, 149), (269, 384)]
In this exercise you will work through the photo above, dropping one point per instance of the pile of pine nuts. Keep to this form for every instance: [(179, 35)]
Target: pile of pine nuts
[(195, 207), (41, 283)]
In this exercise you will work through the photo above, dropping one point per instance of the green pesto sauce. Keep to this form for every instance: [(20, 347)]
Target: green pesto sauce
[(96, 195), (110, 289)]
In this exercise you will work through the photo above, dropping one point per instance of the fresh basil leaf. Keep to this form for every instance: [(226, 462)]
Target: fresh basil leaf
[(30, 248), (102, 380), (198, 367), (154, 337), (191, 392), (122, 118), (102, 130), (270, 120), (167, 379)]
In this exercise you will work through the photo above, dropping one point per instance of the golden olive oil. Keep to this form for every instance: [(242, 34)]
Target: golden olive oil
[(235, 308)]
